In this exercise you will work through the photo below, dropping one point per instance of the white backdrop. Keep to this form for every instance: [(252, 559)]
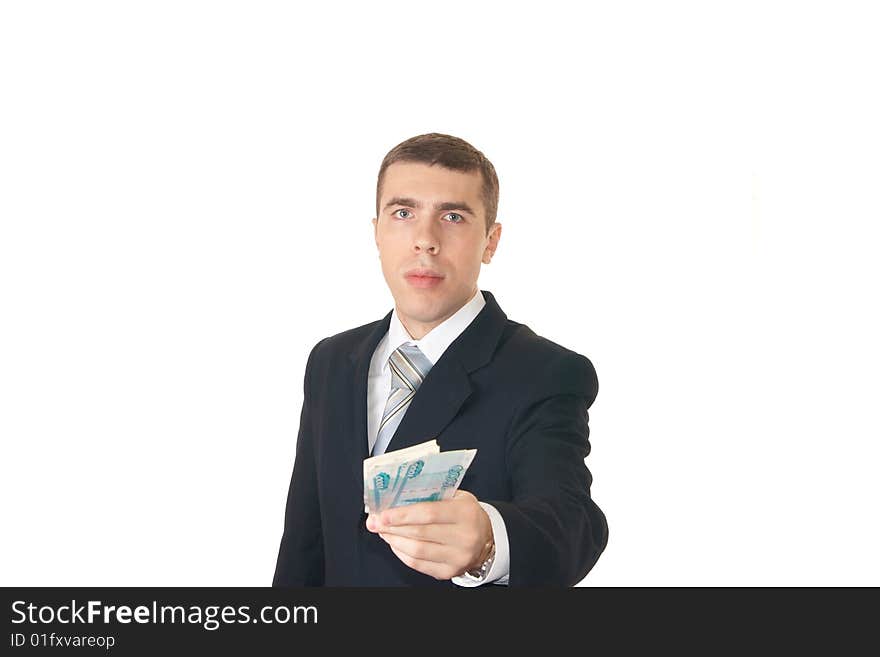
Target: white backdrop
[(689, 195)]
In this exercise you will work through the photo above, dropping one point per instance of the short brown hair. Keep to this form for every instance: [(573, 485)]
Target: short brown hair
[(451, 153)]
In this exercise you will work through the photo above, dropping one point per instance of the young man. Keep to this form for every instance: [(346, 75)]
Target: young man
[(523, 514)]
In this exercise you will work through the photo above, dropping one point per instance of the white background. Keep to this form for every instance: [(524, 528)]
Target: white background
[(689, 195)]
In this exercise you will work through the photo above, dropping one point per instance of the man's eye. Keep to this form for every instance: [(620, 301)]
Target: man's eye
[(401, 210), (458, 218)]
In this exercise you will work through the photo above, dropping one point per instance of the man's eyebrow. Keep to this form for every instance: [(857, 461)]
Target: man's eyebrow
[(448, 205)]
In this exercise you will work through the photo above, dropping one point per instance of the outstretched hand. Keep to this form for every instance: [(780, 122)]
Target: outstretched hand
[(441, 539)]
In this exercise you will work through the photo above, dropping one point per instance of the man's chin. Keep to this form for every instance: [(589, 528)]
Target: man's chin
[(425, 310)]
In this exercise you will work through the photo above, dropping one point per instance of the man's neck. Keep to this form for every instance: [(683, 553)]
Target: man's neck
[(417, 330)]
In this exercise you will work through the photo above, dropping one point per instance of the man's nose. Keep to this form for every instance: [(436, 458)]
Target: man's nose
[(426, 239)]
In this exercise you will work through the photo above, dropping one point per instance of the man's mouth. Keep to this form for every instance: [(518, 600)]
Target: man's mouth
[(423, 278)]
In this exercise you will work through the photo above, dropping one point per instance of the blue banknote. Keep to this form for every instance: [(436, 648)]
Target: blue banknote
[(423, 474)]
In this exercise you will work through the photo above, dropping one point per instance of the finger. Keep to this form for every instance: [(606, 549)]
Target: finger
[(422, 513), (445, 533), (435, 570), (422, 550)]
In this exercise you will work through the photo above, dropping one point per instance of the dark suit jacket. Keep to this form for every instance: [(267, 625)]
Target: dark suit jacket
[(518, 398)]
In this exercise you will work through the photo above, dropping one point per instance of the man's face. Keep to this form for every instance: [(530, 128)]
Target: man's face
[(431, 236)]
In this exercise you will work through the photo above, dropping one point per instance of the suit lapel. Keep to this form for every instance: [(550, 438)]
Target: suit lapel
[(447, 386), (436, 402), (360, 361)]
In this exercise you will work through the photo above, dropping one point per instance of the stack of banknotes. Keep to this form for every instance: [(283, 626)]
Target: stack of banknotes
[(420, 473)]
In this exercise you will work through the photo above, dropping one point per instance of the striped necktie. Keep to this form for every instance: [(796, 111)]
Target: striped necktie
[(409, 367)]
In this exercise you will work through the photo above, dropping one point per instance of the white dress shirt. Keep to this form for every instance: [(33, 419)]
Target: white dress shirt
[(433, 344)]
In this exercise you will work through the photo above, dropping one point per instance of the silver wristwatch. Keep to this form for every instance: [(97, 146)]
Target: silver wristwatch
[(479, 573)]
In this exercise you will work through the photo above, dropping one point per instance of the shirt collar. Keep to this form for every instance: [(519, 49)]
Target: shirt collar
[(438, 339)]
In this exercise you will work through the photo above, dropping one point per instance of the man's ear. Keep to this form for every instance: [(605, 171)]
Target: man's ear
[(494, 237), (376, 231)]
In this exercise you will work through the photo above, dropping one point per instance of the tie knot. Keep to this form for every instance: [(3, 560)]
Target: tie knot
[(409, 367)]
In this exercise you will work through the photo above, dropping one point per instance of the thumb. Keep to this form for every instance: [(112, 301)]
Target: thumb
[(463, 495)]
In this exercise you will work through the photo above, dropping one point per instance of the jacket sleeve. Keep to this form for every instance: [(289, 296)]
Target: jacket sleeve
[(555, 530), (301, 555)]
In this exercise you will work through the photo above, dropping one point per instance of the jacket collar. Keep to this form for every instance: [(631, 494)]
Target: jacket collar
[(473, 348), (445, 388), (436, 341)]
